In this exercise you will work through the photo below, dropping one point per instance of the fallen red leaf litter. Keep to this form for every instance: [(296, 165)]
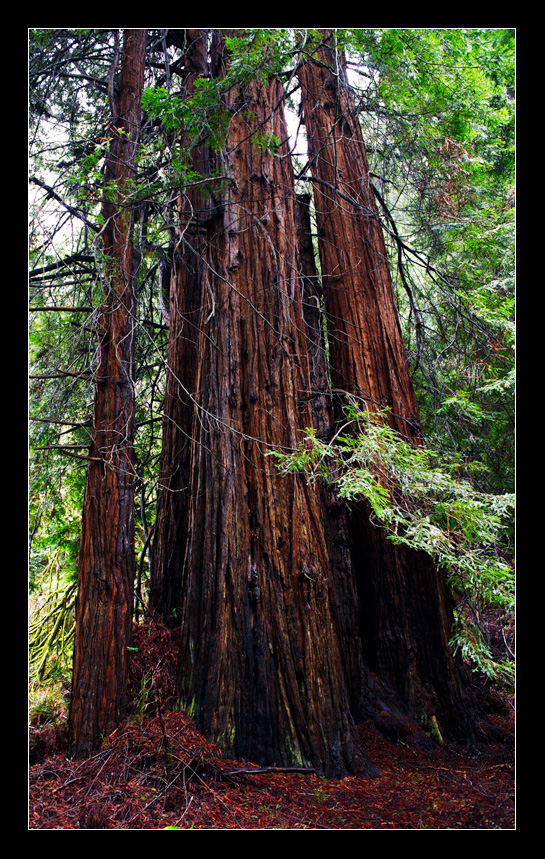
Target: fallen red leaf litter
[(156, 771)]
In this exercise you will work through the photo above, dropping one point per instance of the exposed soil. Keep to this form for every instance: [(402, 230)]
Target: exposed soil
[(156, 772)]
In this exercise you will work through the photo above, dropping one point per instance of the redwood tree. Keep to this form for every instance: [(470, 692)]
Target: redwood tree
[(260, 661), (336, 515), (187, 280), (406, 616), (106, 559), (297, 617)]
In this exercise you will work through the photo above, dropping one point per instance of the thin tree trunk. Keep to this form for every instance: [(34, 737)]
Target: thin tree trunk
[(106, 560), (260, 662), (188, 279), (406, 613)]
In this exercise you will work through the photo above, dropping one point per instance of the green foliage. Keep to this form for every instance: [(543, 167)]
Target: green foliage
[(194, 114), (59, 412), (51, 628), (266, 141), (47, 704), (253, 54), (259, 53), (423, 503)]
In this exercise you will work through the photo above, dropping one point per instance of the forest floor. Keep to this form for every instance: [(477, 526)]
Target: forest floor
[(157, 772)]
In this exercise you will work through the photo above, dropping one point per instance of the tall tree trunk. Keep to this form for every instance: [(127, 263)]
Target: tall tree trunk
[(188, 279), (406, 613), (336, 515), (106, 559), (367, 354), (260, 662)]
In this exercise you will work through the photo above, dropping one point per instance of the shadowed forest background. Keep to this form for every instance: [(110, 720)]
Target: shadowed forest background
[(271, 407)]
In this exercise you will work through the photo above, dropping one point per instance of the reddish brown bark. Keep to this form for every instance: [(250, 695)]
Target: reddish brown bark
[(405, 606), (260, 661), (106, 559), (187, 282), (364, 336), (335, 515)]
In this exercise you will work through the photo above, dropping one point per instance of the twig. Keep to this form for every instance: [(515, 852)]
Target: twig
[(260, 770)]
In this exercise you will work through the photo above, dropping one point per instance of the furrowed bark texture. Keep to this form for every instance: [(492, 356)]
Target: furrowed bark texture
[(260, 656), (335, 514), (106, 559), (405, 606), (188, 279), (367, 354)]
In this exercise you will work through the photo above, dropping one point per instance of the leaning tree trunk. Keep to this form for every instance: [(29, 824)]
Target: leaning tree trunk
[(260, 663), (188, 279), (406, 613), (106, 559)]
